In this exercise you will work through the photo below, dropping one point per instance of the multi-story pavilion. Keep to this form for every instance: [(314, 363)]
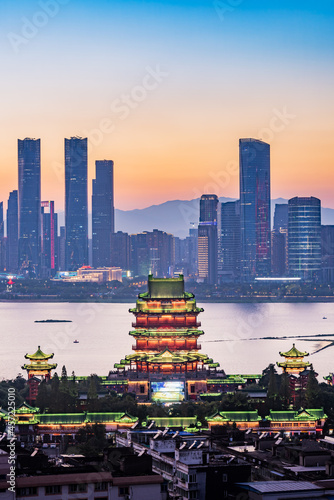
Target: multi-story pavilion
[(166, 331)]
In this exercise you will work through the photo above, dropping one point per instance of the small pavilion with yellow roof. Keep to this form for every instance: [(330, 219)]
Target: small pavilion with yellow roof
[(39, 369), (294, 361)]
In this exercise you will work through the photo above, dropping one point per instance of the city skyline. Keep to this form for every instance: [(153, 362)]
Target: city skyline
[(173, 136)]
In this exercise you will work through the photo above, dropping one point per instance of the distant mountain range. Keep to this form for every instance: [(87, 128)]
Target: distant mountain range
[(175, 217)]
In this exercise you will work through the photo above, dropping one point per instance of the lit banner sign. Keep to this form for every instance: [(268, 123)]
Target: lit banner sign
[(167, 391)]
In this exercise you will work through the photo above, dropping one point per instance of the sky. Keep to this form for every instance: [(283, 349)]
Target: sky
[(166, 89)]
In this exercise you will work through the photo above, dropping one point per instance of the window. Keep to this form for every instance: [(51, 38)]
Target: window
[(52, 490), (193, 494), (26, 492), (142, 389), (192, 389), (123, 491), (77, 488), (192, 478), (101, 486)]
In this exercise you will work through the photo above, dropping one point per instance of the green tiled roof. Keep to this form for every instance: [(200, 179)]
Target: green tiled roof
[(173, 421), (293, 364), (39, 355), (25, 408), (61, 418), (294, 353), (40, 366), (301, 415), (167, 356), (157, 332), (103, 418), (235, 416)]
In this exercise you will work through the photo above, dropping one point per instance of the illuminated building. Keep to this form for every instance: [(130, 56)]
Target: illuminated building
[(152, 253), (304, 238), (12, 233), (243, 420), (2, 240), (39, 369), (120, 250), (103, 212), (294, 361), (29, 205), (208, 239), (254, 157), (167, 364), (49, 240), (76, 203), (327, 253), (229, 241)]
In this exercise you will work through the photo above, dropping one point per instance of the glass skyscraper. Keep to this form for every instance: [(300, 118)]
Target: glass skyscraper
[(255, 255), (208, 239), (304, 238), (12, 233), (229, 246), (103, 212), (29, 205), (76, 206)]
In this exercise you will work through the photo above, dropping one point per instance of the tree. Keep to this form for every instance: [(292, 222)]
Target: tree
[(272, 393), (285, 391), (312, 391), (42, 400)]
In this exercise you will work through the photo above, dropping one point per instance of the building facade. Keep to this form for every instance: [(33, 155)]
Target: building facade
[(254, 158), (229, 242), (208, 239), (76, 203), (49, 240), (12, 233), (304, 238), (29, 205), (103, 223)]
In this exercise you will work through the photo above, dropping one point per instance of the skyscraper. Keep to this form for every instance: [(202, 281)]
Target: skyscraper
[(103, 212), (229, 251), (208, 239), (327, 252), (304, 238), (279, 241), (12, 233), (2, 240), (29, 203), (120, 250), (76, 209), (49, 241), (254, 158)]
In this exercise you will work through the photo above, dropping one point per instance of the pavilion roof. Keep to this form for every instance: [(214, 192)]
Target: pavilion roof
[(40, 366), (39, 355), (25, 408), (167, 356), (294, 353), (234, 416), (165, 332), (301, 415)]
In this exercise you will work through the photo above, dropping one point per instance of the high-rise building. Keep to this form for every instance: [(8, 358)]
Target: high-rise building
[(76, 208), (208, 239), (12, 233), (279, 241), (2, 240), (229, 242), (29, 202), (153, 252), (61, 248), (254, 158), (103, 212), (327, 253), (49, 241), (120, 250), (304, 238)]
